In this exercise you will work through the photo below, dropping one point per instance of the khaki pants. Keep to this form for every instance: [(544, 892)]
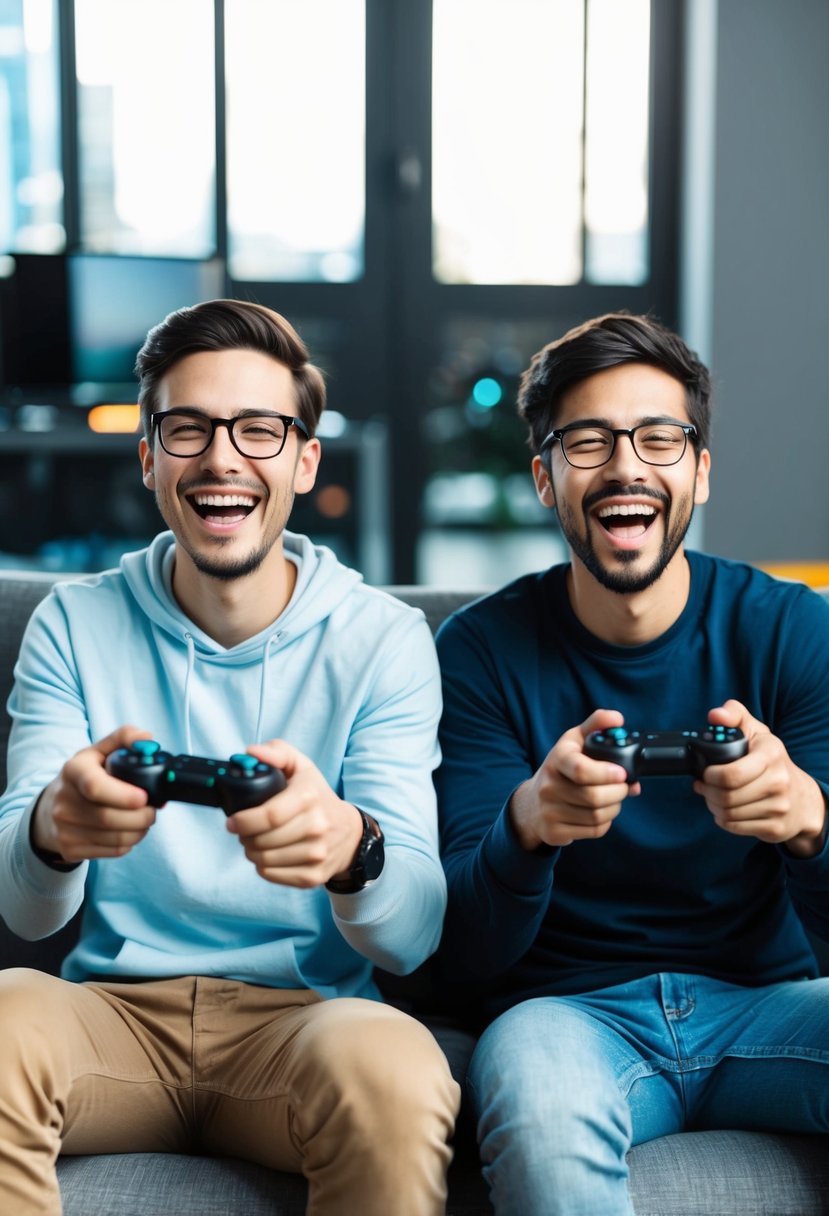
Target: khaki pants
[(351, 1093)]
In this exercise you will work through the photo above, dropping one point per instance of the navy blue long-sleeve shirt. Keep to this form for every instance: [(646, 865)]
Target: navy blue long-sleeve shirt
[(665, 889)]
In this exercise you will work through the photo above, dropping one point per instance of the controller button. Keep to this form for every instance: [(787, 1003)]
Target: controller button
[(244, 761), (146, 749), (263, 768)]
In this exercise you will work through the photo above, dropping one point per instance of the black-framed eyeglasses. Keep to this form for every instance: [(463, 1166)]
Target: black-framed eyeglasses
[(585, 446), (184, 432)]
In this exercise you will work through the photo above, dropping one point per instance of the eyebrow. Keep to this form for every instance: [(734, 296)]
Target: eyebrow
[(648, 420), (245, 412)]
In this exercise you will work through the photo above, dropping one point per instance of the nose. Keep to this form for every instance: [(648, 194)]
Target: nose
[(624, 465), (221, 455)]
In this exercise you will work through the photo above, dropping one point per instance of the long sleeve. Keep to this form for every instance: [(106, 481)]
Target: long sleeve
[(392, 752), (49, 724), (498, 892)]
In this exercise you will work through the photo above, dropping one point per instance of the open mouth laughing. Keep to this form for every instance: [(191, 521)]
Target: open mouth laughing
[(626, 521), (222, 510)]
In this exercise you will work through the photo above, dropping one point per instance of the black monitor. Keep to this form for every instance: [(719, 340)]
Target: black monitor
[(34, 322), (70, 319)]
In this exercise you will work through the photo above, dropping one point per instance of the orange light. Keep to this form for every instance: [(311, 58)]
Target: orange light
[(114, 419), (333, 502)]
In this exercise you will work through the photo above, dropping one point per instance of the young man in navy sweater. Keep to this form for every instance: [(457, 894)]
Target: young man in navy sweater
[(639, 938)]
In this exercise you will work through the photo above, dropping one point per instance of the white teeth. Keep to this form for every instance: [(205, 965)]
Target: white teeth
[(627, 509), (224, 500)]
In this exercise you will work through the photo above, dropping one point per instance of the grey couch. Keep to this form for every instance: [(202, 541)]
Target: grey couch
[(724, 1173)]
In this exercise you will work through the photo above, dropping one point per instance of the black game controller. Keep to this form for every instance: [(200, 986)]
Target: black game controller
[(662, 753), (234, 784)]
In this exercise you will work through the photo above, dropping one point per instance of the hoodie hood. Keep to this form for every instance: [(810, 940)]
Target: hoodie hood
[(321, 586)]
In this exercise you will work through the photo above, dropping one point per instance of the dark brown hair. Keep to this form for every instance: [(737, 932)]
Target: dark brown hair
[(228, 325), (605, 342)]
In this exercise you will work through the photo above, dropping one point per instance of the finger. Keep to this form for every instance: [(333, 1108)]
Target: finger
[(279, 754), (77, 846), (588, 773), (299, 877), (769, 825), (301, 854), (734, 713), (124, 736), (601, 719), (737, 775), (95, 785), (279, 810)]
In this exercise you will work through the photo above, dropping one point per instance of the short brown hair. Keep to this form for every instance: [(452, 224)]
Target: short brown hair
[(227, 325)]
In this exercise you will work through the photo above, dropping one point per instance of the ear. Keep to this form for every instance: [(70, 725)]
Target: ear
[(145, 454), (543, 484), (305, 474), (701, 486)]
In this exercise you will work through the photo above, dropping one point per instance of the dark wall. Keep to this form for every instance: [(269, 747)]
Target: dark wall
[(770, 282)]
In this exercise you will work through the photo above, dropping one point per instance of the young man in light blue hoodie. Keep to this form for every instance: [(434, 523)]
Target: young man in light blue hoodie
[(221, 996)]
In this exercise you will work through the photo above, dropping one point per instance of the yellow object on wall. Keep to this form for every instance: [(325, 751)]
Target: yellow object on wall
[(814, 574)]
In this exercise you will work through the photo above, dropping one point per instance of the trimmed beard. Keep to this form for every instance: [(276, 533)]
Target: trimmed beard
[(629, 582), (228, 571)]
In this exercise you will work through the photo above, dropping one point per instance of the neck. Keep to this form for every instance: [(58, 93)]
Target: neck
[(635, 618), (231, 611)]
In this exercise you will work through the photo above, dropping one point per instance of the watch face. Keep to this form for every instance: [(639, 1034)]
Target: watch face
[(373, 859)]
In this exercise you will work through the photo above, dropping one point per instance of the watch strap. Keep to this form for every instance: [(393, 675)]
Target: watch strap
[(368, 860)]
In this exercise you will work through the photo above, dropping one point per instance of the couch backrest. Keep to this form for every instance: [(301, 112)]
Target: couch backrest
[(19, 595)]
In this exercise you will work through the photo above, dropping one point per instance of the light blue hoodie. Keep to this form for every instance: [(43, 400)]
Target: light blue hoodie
[(347, 674)]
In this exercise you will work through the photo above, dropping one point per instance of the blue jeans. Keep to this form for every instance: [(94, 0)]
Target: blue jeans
[(563, 1086)]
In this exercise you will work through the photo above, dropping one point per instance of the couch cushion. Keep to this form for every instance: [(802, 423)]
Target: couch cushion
[(730, 1173), (145, 1184)]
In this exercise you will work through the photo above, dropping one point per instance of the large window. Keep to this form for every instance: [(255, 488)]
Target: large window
[(146, 142), (540, 138), (428, 189), (295, 73), (31, 182)]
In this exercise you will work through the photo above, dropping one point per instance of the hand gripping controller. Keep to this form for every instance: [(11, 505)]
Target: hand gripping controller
[(664, 753), (234, 784)]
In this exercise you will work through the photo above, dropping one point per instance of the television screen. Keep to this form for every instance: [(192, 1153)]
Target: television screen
[(114, 301)]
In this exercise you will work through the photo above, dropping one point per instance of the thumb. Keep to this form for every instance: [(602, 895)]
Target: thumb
[(601, 719), (734, 713), (279, 754)]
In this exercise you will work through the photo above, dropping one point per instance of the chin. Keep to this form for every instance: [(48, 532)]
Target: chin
[(231, 567), (628, 582)]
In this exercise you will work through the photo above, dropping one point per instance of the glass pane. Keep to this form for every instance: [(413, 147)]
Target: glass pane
[(482, 521), (616, 156), (507, 140), (31, 182), (146, 102), (295, 139)]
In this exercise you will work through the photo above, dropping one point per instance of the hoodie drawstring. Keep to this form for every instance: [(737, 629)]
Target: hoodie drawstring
[(191, 662), (263, 685)]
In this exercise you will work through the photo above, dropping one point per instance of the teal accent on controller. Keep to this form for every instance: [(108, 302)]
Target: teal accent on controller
[(146, 747)]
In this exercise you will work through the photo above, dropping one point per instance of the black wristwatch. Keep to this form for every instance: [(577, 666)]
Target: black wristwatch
[(368, 860)]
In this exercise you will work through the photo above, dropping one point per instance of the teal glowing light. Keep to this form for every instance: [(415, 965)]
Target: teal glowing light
[(486, 393)]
